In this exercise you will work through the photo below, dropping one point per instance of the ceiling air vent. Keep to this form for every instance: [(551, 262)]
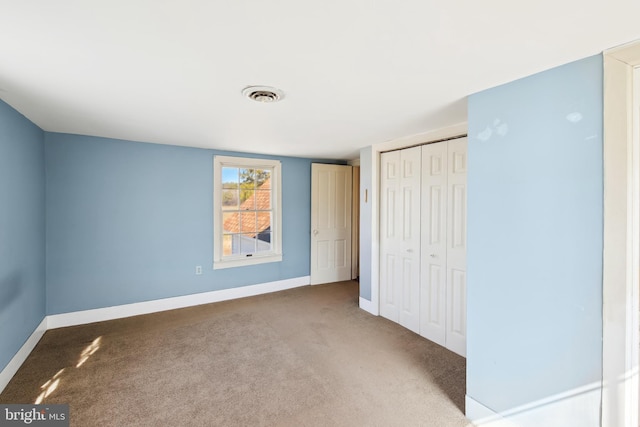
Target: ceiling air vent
[(263, 93)]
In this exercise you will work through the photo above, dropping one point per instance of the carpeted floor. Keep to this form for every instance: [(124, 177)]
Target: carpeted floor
[(303, 357)]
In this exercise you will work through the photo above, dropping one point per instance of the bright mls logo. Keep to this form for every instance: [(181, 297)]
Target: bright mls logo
[(34, 415)]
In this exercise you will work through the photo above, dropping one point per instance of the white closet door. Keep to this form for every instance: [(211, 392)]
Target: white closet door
[(456, 335), (389, 184), (433, 291), (400, 237)]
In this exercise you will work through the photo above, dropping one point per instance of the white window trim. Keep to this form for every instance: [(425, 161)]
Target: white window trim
[(276, 194)]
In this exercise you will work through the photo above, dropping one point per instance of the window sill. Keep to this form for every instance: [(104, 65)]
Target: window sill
[(241, 262)]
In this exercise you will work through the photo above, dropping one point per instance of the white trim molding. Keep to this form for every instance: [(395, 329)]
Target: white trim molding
[(620, 254), (562, 409), (135, 309), (368, 306), (14, 364)]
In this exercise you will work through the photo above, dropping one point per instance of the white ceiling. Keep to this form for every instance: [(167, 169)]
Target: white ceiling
[(354, 72)]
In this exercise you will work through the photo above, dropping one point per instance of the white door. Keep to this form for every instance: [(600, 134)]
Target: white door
[(330, 223), (433, 292), (443, 289), (456, 335), (400, 237)]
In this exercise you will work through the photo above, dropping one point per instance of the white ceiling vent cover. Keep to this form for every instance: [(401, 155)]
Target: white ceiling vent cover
[(263, 93)]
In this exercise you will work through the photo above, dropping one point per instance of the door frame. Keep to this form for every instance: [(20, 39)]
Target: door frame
[(621, 252), (355, 219)]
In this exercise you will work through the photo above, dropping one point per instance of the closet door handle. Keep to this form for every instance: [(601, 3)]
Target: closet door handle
[(433, 255)]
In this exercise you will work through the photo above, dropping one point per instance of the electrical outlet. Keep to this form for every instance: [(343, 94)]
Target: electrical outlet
[(198, 269)]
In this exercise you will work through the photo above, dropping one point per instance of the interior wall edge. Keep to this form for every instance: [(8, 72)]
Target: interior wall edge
[(620, 301)]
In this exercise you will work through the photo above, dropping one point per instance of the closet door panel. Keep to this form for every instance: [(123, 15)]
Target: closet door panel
[(409, 251), (456, 335), (434, 243), (400, 237), (389, 185)]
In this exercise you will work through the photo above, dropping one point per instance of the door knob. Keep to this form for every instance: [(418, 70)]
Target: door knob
[(432, 255), (315, 232)]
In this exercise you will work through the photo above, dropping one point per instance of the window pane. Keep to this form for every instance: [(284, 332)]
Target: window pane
[(248, 222), (263, 221), (231, 222), (262, 178), (264, 242), (247, 199), (247, 178), (263, 200), (237, 244), (230, 244), (248, 244), (229, 177), (263, 245), (229, 199)]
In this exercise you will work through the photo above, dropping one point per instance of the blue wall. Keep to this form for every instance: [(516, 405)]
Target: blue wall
[(22, 231), (366, 211), (535, 224), (128, 222)]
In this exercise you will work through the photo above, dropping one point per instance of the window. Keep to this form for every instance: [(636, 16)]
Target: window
[(246, 211)]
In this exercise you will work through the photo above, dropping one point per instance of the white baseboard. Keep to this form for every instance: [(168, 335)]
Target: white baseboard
[(135, 309), (368, 306), (14, 364), (579, 407), (480, 415)]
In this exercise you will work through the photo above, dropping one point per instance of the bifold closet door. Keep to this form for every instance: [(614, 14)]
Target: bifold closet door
[(433, 291), (443, 291), (400, 237), (456, 335)]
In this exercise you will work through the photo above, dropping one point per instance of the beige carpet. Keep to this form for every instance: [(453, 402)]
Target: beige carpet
[(303, 357)]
